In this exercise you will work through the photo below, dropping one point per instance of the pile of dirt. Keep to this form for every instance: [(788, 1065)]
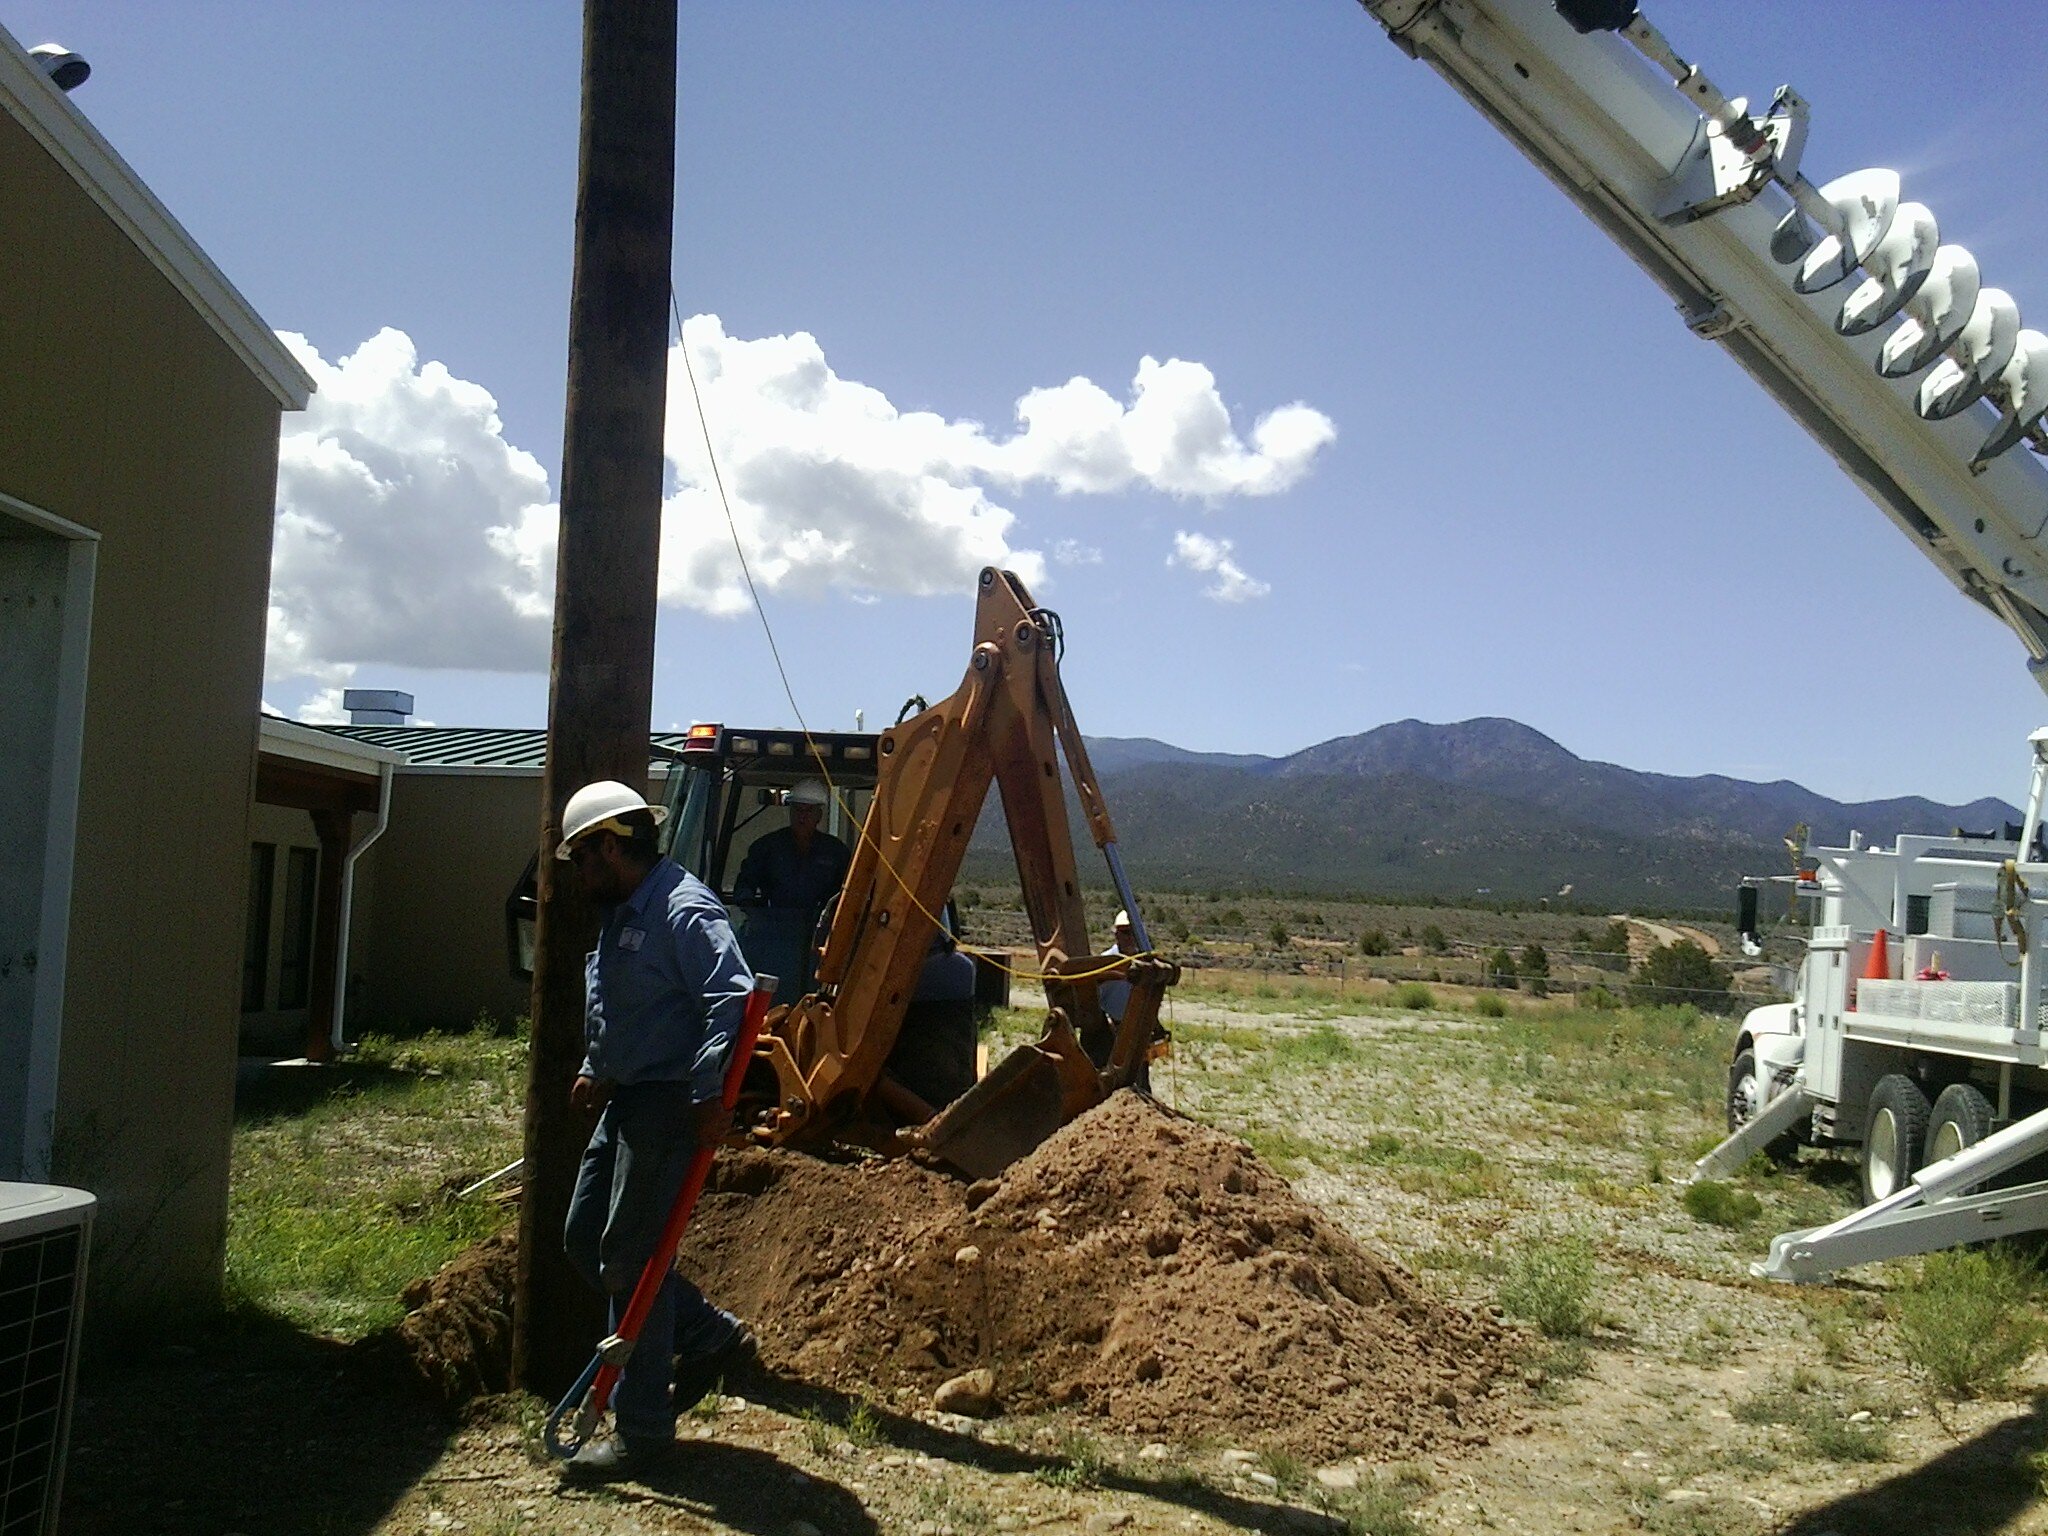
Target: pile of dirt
[(457, 1332), (1139, 1267)]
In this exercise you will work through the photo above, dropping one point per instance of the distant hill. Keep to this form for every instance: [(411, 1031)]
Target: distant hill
[(1507, 758), (1113, 754), (1487, 805)]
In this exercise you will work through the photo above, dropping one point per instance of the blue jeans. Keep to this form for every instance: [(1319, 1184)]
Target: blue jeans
[(630, 1176)]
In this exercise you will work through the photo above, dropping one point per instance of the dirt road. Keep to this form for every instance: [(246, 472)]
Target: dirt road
[(1646, 935)]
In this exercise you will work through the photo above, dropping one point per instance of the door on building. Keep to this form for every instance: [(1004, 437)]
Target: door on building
[(46, 567)]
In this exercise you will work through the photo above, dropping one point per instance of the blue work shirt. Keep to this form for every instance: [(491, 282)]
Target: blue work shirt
[(774, 872), (666, 988)]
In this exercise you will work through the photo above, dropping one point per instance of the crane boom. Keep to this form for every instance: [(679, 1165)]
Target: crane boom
[(1922, 384)]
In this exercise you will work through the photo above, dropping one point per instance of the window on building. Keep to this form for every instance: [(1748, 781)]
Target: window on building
[(1916, 914), (295, 967), (256, 941)]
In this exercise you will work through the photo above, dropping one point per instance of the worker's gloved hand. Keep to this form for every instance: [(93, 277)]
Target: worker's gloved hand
[(588, 1093), (710, 1122)]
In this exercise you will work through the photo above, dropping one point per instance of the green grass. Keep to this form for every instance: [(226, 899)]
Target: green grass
[(1549, 1282), (1317, 1049), (342, 1186), (863, 1424), (1381, 1505), (1721, 1205), (1413, 995), (1807, 1404), (1078, 1461), (1970, 1321)]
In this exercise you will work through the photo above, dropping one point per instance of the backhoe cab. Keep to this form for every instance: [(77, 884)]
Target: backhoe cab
[(876, 1045), (726, 789)]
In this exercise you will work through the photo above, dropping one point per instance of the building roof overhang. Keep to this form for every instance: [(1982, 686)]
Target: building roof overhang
[(29, 96)]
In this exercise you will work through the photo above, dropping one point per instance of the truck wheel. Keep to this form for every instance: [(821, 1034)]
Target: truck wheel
[(1961, 1118), (1746, 1097), (1893, 1135)]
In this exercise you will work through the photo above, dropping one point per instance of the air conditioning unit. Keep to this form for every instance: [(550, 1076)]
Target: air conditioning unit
[(43, 1240)]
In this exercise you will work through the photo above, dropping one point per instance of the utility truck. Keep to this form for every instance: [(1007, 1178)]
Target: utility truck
[(1914, 1034)]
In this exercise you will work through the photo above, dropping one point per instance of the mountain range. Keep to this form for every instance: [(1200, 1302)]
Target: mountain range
[(1485, 807)]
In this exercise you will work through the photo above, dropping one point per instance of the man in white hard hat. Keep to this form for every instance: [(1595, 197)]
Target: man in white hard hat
[(800, 865), (1115, 994), (664, 994)]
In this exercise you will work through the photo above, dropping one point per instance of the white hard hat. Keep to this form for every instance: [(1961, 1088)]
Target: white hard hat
[(1123, 920), (807, 792), (595, 804)]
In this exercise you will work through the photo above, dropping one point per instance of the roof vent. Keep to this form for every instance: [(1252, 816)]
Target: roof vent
[(63, 66), (376, 706)]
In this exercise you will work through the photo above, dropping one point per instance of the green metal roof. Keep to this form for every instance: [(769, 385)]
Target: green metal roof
[(455, 746)]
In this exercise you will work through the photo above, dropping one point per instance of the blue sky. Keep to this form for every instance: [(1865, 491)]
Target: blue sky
[(1543, 499)]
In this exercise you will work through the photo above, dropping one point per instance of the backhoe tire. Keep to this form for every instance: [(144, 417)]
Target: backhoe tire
[(1893, 1136), (1961, 1118), (1746, 1097)]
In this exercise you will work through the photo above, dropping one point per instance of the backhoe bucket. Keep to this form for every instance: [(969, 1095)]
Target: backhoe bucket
[(1031, 1093)]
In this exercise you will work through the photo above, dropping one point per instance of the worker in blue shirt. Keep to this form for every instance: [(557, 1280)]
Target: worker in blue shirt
[(664, 994), (800, 865)]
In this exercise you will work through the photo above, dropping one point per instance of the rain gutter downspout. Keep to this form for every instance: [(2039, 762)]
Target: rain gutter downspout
[(348, 902)]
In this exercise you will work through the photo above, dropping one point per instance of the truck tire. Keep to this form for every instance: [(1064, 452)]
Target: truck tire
[(1893, 1136), (1961, 1118), (1746, 1097)]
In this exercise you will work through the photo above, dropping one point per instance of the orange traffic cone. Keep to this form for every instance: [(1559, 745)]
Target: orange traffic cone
[(1879, 966)]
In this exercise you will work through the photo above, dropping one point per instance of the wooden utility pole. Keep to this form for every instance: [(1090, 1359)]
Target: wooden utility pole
[(602, 681)]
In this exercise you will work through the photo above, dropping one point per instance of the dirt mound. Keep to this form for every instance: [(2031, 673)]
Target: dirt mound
[(1138, 1267), (457, 1335)]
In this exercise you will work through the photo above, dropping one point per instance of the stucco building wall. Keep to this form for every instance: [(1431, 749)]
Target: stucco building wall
[(124, 411)]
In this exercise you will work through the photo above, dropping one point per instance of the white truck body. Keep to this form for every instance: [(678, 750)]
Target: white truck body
[(1929, 1059), (1932, 897)]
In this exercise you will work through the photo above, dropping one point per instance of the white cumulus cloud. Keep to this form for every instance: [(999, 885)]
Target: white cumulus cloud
[(1074, 552), (398, 506), (1199, 552), (410, 532)]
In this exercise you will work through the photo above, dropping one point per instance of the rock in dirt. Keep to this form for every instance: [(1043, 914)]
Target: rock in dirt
[(1180, 1289), (972, 1393)]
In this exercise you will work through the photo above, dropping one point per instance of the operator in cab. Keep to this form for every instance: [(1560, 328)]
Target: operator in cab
[(1115, 993), (665, 993), (800, 865)]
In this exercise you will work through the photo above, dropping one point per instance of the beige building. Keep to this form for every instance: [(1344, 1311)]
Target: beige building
[(428, 942), (139, 409)]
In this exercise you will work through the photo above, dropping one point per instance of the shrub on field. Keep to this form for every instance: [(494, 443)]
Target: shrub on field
[(1681, 973), (1433, 940), (1599, 999), (1279, 935), (1969, 1322), (1498, 970), (1490, 1007), (1413, 994), (1549, 1282), (1721, 1205), (1534, 961), (1373, 942)]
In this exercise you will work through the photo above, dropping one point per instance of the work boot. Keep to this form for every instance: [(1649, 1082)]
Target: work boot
[(612, 1457), (698, 1376)]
